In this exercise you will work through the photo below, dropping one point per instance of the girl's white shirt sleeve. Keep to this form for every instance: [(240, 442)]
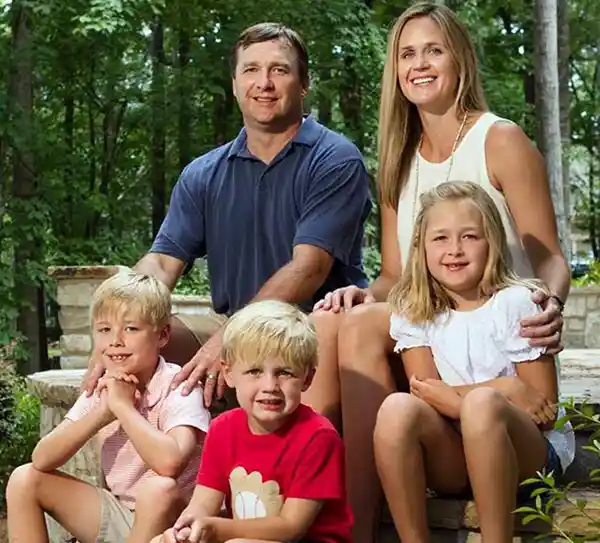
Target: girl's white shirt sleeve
[(516, 304), (407, 334)]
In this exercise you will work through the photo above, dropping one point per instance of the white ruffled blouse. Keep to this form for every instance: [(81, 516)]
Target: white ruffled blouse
[(471, 347)]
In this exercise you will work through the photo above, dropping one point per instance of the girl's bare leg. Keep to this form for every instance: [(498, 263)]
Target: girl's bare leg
[(366, 377), (73, 503), (502, 447), (415, 445), (323, 394)]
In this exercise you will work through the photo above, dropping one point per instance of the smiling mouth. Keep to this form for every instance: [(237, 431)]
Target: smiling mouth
[(118, 357), (422, 81), (455, 267)]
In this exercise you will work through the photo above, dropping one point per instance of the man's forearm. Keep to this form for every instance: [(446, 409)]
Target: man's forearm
[(267, 529), (156, 265), (159, 451), (294, 283)]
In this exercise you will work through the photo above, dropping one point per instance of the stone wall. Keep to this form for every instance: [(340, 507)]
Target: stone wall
[(75, 288), (582, 318), (76, 285)]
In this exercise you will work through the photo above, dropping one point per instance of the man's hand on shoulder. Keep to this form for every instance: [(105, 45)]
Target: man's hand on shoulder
[(204, 367)]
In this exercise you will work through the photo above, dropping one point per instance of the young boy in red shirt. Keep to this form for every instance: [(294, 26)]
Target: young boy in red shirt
[(277, 463)]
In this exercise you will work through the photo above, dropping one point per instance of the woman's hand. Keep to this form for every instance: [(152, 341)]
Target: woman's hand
[(545, 329), (344, 298)]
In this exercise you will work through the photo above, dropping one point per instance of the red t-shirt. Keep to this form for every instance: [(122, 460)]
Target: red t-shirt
[(257, 473)]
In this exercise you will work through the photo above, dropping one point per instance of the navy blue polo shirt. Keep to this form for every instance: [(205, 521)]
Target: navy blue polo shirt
[(246, 216)]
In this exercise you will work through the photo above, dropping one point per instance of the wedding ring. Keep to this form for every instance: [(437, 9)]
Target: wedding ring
[(211, 376)]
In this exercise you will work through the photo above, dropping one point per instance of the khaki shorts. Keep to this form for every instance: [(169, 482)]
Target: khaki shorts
[(202, 326), (116, 520)]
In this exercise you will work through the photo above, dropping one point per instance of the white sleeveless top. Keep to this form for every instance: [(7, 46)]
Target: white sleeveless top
[(469, 165)]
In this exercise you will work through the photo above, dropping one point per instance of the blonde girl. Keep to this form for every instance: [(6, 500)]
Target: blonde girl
[(465, 425)]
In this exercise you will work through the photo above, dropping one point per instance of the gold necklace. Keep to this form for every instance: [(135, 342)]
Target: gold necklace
[(418, 159)]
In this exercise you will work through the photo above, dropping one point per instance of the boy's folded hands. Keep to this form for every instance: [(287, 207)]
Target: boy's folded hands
[(116, 389)]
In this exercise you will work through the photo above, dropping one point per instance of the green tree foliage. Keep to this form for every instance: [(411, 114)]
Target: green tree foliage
[(126, 93)]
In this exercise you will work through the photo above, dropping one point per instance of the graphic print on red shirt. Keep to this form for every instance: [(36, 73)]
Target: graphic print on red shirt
[(257, 473)]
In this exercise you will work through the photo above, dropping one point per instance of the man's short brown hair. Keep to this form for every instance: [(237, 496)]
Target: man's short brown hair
[(273, 31)]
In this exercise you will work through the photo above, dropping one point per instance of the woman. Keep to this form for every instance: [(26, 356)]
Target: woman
[(434, 127)]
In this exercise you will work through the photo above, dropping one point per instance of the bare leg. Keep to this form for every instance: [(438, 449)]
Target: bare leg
[(324, 392), (366, 380), (502, 446), (416, 446), (73, 503), (157, 507)]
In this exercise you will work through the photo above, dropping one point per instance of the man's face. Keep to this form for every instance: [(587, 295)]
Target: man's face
[(267, 84)]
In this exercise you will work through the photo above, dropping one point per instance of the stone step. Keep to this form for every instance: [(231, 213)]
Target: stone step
[(580, 375), (453, 520)]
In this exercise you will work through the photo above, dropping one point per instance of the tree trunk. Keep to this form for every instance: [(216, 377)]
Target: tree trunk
[(222, 109), (325, 104), (592, 212), (350, 102), (28, 247), (547, 106), (564, 76), (157, 158), (184, 91)]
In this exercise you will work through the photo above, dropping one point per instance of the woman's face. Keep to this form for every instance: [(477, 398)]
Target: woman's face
[(426, 70)]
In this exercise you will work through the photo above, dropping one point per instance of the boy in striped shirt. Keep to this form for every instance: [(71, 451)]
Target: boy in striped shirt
[(150, 439)]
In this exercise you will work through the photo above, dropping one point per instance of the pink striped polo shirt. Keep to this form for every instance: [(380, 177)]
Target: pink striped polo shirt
[(122, 466)]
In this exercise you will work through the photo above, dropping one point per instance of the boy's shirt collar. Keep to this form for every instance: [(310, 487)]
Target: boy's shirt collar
[(155, 389)]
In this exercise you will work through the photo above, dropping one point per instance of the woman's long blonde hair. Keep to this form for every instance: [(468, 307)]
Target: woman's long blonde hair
[(418, 296), (399, 124)]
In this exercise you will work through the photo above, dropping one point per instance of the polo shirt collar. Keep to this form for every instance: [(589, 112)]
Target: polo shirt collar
[(155, 389), (307, 135)]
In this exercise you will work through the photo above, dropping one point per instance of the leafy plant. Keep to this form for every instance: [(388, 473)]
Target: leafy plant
[(548, 491), (592, 277), (19, 422)]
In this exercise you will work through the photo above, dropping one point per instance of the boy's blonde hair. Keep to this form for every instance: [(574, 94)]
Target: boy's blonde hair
[(270, 329), (134, 292), (419, 296)]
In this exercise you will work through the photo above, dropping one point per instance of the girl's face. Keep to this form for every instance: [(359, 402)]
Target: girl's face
[(426, 70), (456, 249)]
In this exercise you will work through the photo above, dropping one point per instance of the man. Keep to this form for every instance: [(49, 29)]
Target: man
[(279, 212)]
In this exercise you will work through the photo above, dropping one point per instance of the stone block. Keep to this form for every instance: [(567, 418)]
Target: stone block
[(76, 292), (75, 344), (573, 340), (57, 391), (191, 305), (592, 330), (576, 305), (593, 301), (74, 320), (74, 362), (575, 324)]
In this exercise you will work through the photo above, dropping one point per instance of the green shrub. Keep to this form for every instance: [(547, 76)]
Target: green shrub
[(592, 277), (545, 496), (19, 422)]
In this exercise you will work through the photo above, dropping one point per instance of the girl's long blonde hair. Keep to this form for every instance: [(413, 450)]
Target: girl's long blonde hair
[(418, 296), (399, 123)]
